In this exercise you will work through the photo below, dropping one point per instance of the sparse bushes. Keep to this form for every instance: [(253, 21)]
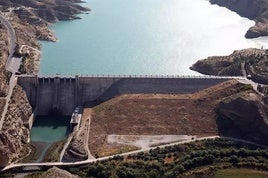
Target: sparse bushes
[(184, 158)]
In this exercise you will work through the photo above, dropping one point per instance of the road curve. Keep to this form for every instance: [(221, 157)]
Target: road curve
[(49, 164), (11, 37), (13, 78)]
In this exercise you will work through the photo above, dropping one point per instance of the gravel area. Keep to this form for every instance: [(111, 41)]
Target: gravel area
[(146, 141)]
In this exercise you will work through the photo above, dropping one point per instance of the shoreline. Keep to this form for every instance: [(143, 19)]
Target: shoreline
[(251, 9), (36, 38)]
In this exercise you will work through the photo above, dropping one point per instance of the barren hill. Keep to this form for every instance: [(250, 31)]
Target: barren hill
[(190, 114)]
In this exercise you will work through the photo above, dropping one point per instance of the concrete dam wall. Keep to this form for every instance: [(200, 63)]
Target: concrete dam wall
[(63, 94)]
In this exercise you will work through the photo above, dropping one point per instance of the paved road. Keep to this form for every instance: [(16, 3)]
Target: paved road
[(11, 37), (9, 65), (49, 164), (34, 49), (66, 146), (137, 76), (244, 72)]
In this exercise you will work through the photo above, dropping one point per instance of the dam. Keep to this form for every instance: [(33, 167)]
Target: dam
[(63, 93)]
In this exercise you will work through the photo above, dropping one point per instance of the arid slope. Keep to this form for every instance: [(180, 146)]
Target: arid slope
[(191, 114)]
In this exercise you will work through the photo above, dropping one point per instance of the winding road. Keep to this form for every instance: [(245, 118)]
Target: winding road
[(12, 38), (49, 164), (10, 65), (36, 166)]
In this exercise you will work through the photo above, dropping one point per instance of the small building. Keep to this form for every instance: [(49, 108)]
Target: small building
[(76, 117)]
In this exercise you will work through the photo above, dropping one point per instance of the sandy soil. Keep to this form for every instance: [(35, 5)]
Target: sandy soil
[(146, 141)]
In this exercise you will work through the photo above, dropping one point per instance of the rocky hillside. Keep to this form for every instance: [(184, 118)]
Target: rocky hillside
[(3, 57), (256, 10), (250, 61), (244, 116), (31, 20), (191, 114), (57, 173), (48, 10), (40, 13), (14, 135)]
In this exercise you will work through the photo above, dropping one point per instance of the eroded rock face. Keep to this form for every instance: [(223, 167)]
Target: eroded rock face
[(244, 117), (256, 10), (14, 135)]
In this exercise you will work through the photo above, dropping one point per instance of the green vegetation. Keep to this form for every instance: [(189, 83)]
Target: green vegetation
[(240, 173), (178, 160)]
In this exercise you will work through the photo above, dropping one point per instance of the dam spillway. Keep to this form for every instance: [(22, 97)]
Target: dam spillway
[(64, 93)]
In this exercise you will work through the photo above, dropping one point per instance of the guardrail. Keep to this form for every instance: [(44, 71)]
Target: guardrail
[(135, 76)]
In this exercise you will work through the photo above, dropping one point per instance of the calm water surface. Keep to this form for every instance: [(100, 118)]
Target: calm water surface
[(50, 128), (159, 37)]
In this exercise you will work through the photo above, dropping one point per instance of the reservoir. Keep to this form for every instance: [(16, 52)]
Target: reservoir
[(144, 37)]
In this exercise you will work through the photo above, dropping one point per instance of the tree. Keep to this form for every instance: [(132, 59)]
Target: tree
[(234, 159)]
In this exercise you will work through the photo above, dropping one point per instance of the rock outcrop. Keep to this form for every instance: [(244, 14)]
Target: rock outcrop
[(48, 10), (14, 134), (57, 173), (250, 61), (256, 10), (244, 117), (39, 14)]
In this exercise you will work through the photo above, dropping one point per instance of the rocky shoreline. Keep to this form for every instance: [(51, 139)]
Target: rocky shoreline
[(32, 19), (38, 15), (248, 62), (256, 10)]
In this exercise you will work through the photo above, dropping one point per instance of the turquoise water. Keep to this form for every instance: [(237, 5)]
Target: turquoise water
[(50, 128), (144, 37)]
